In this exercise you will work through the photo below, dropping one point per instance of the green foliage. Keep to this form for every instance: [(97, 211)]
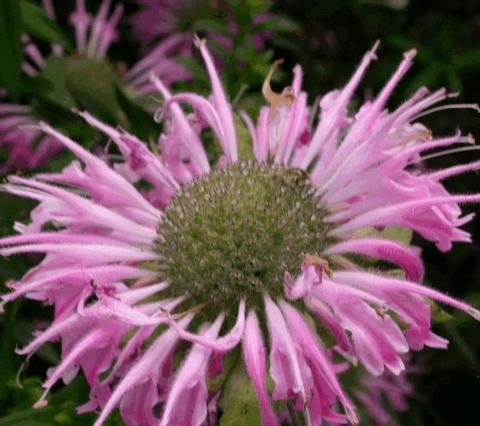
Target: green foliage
[(52, 83), (92, 84), (38, 24), (395, 233), (138, 119), (244, 140), (10, 46), (239, 403), (59, 412), (439, 315), (246, 58)]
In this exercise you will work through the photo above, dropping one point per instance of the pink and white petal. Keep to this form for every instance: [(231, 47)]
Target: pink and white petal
[(285, 367), (153, 357), (394, 252), (254, 357), (187, 400)]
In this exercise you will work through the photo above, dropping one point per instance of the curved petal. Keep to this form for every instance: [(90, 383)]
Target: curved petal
[(222, 344), (385, 250)]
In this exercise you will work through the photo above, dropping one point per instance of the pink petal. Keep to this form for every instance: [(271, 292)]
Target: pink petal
[(254, 356)]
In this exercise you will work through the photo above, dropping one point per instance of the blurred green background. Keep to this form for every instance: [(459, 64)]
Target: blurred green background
[(328, 38)]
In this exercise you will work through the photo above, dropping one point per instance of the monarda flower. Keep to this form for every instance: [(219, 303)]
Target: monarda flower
[(94, 36), (382, 395), (26, 147), (161, 19), (163, 269)]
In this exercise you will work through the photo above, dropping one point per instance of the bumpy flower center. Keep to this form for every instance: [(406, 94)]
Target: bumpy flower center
[(234, 233)]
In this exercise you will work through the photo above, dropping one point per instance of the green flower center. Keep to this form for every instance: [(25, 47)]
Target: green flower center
[(234, 233)]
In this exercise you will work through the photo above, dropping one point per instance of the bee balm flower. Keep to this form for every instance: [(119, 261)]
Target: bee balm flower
[(374, 390), (27, 148), (167, 257)]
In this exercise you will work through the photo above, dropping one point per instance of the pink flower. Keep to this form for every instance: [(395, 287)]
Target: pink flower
[(159, 20), (372, 392), (94, 36), (160, 62), (169, 256), (26, 147)]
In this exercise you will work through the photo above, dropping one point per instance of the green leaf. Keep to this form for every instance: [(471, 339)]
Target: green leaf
[(466, 59), (244, 140), (208, 25), (38, 24), (394, 233), (141, 123), (279, 24), (438, 313), (239, 402), (60, 410), (7, 361), (22, 418), (93, 85), (10, 46), (53, 82)]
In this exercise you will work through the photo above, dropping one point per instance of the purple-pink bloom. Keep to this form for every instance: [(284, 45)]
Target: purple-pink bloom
[(27, 148), (383, 394), (168, 255), (159, 20), (95, 35)]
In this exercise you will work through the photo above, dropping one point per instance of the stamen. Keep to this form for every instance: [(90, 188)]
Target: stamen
[(21, 369), (41, 403), (239, 95), (447, 152), (475, 107)]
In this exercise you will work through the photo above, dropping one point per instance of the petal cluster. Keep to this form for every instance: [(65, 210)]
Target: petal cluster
[(160, 19), (27, 148), (395, 390)]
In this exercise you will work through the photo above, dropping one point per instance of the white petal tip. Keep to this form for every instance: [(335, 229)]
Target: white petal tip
[(373, 51), (475, 313), (152, 76), (42, 403), (20, 351), (199, 42), (352, 416), (410, 54)]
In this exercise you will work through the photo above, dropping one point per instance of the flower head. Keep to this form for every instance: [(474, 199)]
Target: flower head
[(252, 250), (27, 148), (162, 18), (158, 20), (374, 391)]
